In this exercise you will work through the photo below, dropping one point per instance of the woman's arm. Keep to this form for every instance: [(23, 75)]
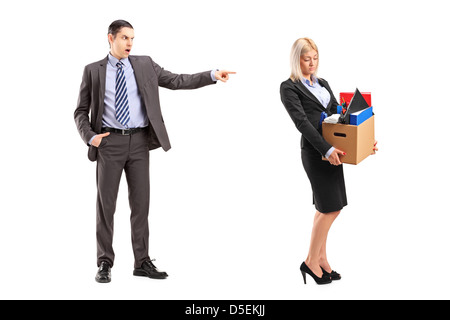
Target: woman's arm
[(295, 109)]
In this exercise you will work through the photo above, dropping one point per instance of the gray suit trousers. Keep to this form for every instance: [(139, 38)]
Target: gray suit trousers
[(118, 153)]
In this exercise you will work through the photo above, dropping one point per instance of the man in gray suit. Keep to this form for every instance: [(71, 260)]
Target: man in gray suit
[(121, 94)]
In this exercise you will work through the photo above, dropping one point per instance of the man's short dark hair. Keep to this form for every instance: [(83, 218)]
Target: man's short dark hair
[(115, 27)]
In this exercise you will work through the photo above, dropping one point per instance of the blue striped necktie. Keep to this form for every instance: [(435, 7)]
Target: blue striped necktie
[(122, 110)]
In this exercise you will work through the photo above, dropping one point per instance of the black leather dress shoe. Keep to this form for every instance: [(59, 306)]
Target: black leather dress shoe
[(103, 273), (148, 269)]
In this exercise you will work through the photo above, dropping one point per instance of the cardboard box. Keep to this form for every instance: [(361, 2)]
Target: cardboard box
[(356, 141), (347, 97)]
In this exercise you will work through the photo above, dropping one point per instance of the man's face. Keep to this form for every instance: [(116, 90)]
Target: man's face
[(122, 43)]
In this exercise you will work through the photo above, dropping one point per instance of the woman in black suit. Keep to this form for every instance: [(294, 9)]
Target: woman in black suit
[(305, 97)]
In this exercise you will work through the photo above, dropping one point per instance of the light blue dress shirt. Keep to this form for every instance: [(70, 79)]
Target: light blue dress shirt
[(322, 95), (138, 115)]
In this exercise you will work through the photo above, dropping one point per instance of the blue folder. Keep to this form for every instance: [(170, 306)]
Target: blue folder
[(357, 119)]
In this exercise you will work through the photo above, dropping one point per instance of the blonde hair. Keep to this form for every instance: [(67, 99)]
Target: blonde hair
[(299, 48)]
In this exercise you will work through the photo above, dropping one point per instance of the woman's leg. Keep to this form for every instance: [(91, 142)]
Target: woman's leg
[(323, 261), (317, 248)]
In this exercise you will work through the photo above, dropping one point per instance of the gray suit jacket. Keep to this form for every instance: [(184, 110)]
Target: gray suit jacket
[(149, 76)]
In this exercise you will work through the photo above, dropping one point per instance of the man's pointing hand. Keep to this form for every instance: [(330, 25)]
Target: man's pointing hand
[(223, 75)]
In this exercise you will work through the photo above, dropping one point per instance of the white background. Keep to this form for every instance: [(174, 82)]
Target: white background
[(231, 210)]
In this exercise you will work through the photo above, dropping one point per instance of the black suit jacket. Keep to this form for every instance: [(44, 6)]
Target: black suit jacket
[(149, 76), (305, 111)]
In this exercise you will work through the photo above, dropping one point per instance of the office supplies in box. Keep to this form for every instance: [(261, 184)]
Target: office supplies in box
[(346, 97), (359, 117), (323, 116), (334, 118), (355, 140), (357, 103)]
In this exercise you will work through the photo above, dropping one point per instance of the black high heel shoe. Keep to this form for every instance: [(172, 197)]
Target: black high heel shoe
[(305, 270), (333, 275)]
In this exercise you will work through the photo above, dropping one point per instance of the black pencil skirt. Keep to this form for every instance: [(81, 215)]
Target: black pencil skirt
[(327, 180)]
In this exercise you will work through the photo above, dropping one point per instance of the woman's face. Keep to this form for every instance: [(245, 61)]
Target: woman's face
[(308, 63)]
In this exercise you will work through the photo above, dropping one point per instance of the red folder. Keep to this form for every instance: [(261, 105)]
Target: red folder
[(347, 97)]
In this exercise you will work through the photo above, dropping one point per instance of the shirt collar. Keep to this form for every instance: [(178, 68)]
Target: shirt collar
[(113, 61), (307, 83)]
